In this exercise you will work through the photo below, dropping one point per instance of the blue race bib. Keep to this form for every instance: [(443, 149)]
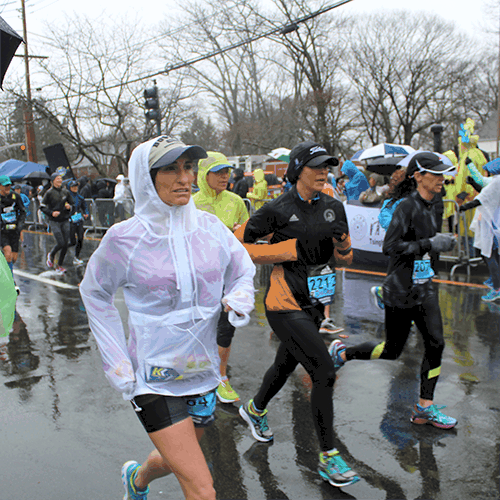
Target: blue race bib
[(202, 405), (422, 270), (76, 217), (321, 282), (9, 217)]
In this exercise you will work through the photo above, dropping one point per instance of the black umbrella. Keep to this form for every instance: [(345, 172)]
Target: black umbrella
[(9, 42), (384, 166), (36, 175), (114, 181)]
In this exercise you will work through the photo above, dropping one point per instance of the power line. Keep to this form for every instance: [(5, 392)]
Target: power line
[(149, 41), (283, 30)]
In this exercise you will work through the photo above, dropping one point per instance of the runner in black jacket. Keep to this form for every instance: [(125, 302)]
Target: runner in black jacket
[(408, 292), (308, 234), (57, 205), (12, 216)]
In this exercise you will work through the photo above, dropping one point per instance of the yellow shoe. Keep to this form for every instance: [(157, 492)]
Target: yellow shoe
[(225, 393)]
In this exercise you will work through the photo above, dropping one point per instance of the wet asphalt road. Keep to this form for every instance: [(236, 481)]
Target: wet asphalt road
[(65, 433)]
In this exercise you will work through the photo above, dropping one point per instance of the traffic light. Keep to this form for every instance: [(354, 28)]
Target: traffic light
[(23, 149), (152, 103)]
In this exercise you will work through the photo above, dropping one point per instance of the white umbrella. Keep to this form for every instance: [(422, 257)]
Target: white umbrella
[(282, 154), (385, 150)]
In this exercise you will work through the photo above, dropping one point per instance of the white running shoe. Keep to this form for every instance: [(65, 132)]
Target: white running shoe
[(329, 327)]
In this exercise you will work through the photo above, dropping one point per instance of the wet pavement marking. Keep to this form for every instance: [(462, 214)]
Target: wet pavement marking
[(378, 273), (47, 281)]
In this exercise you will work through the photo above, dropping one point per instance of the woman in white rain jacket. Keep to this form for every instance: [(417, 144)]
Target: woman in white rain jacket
[(173, 263)]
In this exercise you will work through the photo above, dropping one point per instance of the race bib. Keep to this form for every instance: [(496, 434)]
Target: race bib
[(9, 217), (76, 217), (202, 405), (422, 270), (321, 282)]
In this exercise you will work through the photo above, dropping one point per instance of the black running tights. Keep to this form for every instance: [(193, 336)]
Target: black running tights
[(302, 343), (427, 317), (60, 230)]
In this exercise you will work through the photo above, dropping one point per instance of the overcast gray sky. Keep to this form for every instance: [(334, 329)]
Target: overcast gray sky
[(470, 15)]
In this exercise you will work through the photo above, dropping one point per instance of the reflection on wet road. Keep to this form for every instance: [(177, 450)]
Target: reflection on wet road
[(66, 433)]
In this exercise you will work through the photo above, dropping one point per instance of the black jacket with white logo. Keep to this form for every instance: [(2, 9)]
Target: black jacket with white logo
[(301, 235)]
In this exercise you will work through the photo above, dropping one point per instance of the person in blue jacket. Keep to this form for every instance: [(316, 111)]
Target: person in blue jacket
[(79, 213), (357, 181)]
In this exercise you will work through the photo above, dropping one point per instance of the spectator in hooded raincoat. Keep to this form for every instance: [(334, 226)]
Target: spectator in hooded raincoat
[(259, 193), (357, 181), (213, 197)]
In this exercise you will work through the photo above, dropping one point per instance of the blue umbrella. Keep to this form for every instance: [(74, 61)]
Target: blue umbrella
[(356, 155)]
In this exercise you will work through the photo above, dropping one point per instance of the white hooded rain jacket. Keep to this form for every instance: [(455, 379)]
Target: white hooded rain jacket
[(173, 263)]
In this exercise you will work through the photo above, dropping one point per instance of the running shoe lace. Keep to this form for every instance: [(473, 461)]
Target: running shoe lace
[(261, 419), (434, 412), (335, 463)]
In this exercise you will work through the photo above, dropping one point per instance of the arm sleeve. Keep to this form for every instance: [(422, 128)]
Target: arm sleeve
[(106, 272), (476, 176), (260, 225), (85, 208), (394, 243), (470, 204), (21, 212), (44, 206), (342, 245)]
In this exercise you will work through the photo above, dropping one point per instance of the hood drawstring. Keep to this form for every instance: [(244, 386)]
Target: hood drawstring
[(182, 265)]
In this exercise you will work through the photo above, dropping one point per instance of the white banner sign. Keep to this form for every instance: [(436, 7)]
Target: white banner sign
[(364, 228)]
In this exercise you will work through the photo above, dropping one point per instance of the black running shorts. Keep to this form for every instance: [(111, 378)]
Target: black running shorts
[(157, 412), (11, 239)]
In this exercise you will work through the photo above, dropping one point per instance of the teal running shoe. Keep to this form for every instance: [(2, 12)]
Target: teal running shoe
[(432, 415), (491, 296), (129, 471), (257, 423), (336, 348), (333, 469), (376, 292)]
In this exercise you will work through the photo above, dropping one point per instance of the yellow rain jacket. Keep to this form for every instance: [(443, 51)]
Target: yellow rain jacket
[(259, 193), (228, 207)]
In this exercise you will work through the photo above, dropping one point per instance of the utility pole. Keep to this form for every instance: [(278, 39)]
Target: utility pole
[(28, 111)]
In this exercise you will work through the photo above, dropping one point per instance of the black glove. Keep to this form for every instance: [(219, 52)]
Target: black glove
[(469, 205), (442, 242), (468, 160), (469, 179)]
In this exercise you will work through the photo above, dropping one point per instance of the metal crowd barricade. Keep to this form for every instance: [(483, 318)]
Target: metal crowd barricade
[(31, 218), (249, 206), (89, 224), (102, 215), (462, 254), (35, 220)]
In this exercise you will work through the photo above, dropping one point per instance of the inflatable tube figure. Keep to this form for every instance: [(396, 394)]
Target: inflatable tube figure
[(8, 296)]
